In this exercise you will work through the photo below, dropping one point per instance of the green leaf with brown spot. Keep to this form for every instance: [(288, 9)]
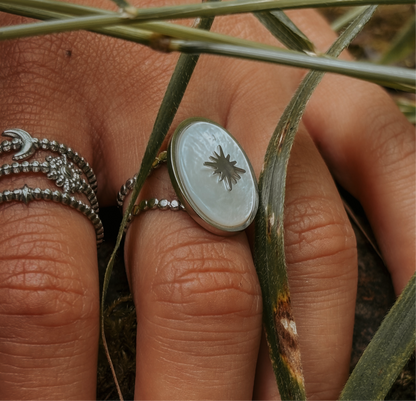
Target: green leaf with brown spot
[(279, 322)]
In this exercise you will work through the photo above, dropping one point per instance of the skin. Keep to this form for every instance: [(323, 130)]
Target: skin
[(197, 296)]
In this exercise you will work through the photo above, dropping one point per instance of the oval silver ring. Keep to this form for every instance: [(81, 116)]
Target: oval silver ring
[(212, 176)]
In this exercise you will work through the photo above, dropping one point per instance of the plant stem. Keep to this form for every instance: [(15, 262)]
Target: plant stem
[(380, 74), (140, 32), (211, 10), (167, 111)]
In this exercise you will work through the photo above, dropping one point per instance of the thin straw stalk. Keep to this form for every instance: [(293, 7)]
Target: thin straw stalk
[(394, 77), (389, 76), (167, 111), (346, 18), (200, 10), (138, 32)]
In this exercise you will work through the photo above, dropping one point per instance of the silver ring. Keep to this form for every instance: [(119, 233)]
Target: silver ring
[(212, 177), (67, 170)]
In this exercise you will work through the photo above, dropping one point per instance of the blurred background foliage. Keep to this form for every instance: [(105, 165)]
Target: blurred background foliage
[(388, 38)]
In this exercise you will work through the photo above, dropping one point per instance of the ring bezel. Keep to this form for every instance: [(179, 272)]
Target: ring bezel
[(183, 192)]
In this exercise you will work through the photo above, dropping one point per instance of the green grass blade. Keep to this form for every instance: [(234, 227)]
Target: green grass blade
[(167, 111), (69, 24), (402, 45), (132, 34), (394, 77), (138, 32), (143, 30), (387, 352), (282, 28), (210, 10), (269, 251), (346, 18)]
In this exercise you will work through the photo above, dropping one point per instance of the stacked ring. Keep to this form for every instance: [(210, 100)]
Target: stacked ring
[(67, 175)]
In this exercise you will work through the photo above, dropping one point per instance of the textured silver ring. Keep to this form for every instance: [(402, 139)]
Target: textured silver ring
[(212, 177), (66, 170)]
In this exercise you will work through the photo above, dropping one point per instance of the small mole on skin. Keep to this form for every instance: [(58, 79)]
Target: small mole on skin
[(68, 53)]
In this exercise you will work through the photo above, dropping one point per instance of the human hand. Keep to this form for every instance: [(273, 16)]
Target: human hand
[(197, 296)]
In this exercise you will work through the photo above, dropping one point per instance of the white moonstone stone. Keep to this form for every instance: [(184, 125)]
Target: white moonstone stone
[(205, 197)]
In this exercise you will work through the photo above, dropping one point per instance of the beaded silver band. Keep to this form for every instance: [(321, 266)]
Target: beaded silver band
[(125, 189), (150, 204), (50, 168), (58, 169), (153, 204), (27, 146), (27, 194)]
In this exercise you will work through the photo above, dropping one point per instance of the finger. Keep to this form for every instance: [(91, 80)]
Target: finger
[(48, 269), (370, 148), (199, 310), (265, 386)]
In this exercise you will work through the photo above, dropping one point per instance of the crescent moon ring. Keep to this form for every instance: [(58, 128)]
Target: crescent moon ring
[(28, 143)]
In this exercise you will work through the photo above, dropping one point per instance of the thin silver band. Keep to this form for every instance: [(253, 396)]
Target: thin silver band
[(154, 204), (21, 143), (125, 189), (58, 169), (150, 204), (27, 194), (45, 167)]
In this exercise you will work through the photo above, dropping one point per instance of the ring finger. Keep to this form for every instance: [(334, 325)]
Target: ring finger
[(48, 269)]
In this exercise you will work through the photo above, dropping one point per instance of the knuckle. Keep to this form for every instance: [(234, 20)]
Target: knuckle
[(36, 75), (206, 278), (39, 74), (39, 278), (317, 231), (391, 139)]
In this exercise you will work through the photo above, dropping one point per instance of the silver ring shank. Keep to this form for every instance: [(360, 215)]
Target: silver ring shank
[(151, 204), (27, 194)]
